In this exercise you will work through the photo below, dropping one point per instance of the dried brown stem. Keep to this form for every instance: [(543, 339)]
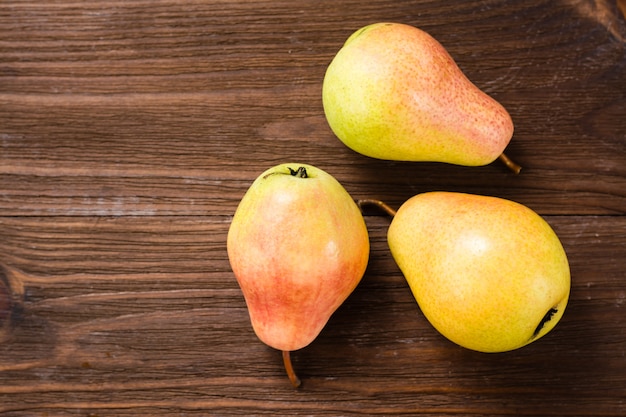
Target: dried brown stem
[(512, 165), (381, 205), (293, 378)]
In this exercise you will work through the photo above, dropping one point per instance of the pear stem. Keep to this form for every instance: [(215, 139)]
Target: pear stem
[(293, 378), (510, 164), (380, 204)]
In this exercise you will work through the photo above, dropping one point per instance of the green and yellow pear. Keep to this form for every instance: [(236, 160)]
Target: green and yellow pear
[(489, 274), (298, 246), (393, 92)]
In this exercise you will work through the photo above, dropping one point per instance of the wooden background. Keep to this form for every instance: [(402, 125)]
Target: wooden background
[(130, 129)]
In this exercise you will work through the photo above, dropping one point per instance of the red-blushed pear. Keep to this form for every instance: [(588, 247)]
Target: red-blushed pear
[(488, 273), (298, 246), (393, 92)]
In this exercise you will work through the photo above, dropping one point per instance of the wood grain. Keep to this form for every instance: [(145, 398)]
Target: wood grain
[(139, 329), (130, 130)]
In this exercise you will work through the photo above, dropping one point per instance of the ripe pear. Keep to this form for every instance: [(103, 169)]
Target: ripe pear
[(488, 273), (298, 246), (393, 92)]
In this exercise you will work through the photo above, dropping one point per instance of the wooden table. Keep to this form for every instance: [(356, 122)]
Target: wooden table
[(130, 129)]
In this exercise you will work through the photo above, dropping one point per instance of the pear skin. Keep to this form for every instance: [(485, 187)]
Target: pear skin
[(393, 92), (488, 273), (298, 246)]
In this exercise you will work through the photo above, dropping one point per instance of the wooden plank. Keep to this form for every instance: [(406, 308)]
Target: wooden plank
[(142, 315), (179, 115)]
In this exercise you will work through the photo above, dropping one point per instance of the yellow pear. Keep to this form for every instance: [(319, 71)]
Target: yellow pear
[(488, 273), (393, 92), (298, 246)]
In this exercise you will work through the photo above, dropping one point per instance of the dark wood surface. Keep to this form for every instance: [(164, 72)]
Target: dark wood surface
[(129, 131)]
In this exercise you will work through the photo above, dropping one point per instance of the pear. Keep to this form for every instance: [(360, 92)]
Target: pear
[(488, 273), (298, 246), (393, 92)]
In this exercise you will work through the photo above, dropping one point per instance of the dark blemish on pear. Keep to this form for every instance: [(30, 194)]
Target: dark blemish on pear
[(544, 320), (300, 172)]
